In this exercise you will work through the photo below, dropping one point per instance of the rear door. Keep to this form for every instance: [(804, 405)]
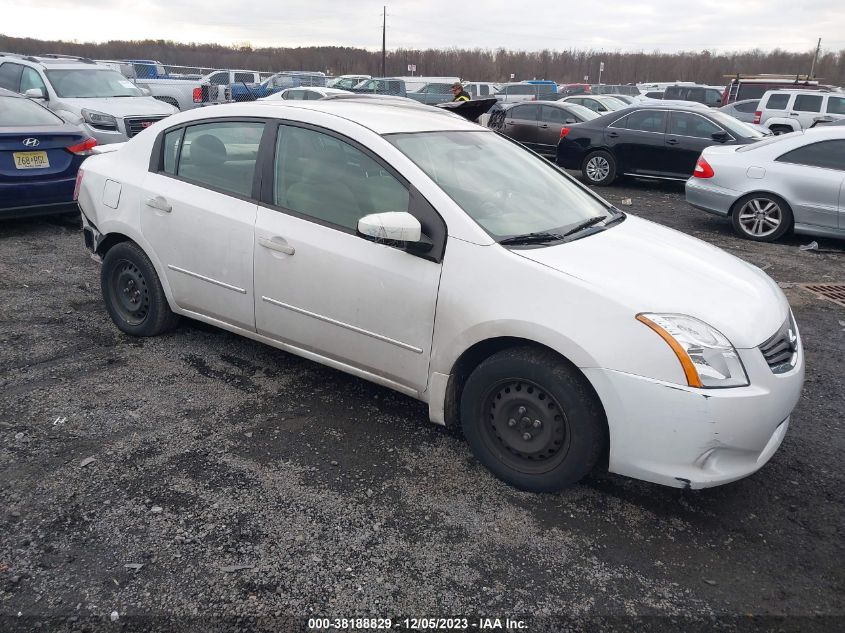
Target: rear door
[(552, 121), (328, 291), (637, 141), (521, 123), (198, 211), (806, 108), (814, 175), (686, 137)]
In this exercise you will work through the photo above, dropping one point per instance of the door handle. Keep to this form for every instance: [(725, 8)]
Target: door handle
[(613, 135), (508, 122), (544, 126), (159, 203), (273, 245), (793, 114), (672, 141)]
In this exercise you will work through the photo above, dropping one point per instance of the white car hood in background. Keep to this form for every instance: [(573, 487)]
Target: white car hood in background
[(122, 106), (651, 268)]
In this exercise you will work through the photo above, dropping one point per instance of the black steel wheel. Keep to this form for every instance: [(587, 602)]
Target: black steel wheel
[(533, 419), (132, 292)]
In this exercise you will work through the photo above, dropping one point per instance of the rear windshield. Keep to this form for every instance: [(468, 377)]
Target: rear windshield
[(768, 141), (17, 112)]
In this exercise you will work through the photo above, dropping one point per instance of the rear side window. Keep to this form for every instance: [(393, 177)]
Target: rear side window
[(748, 106), (673, 92), (329, 180), (221, 155), (647, 121), (10, 76), (484, 90), (836, 105), (777, 102), (244, 77), (808, 103), (827, 154)]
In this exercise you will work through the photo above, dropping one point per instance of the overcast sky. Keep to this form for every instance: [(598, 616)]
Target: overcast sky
[(667, 25)]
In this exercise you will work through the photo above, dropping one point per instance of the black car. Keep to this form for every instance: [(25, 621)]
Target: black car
[(538, 124), (662, 141), (40, 156)]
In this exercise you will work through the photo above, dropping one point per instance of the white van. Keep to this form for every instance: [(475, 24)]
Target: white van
[(783, 111)]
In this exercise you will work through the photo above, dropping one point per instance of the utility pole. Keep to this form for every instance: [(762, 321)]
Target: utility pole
[(815, 59), (384, 42)]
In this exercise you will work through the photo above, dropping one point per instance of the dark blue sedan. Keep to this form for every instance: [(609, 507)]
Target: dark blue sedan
[(40, 156)]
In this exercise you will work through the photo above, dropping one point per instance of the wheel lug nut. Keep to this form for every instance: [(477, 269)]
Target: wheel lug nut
[(526, 421), (521, 410), (526, 436), (537, 424), (511, 422)]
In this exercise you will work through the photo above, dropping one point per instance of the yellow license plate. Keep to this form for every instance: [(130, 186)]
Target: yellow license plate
[(31, 160)]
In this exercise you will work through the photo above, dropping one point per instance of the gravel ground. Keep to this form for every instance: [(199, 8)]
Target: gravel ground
[(200, 475)]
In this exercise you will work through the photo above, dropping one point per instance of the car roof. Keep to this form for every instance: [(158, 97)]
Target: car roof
[(380, 116), (57, 62)]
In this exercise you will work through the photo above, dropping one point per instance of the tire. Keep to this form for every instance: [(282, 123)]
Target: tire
[(599, 168), (543, 388), (133, 294), (761, 217)]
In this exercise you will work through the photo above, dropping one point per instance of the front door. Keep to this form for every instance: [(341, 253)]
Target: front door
[(686, 137), (324, 289), (637, 141), (197, 211)]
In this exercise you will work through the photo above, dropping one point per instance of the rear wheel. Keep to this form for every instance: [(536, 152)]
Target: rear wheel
[(599, 168), (133, 294), (532, 419), (761, 217)]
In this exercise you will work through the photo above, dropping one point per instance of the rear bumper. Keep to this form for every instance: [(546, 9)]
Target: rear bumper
[(19, 199), (569, 155), (697, 438), (708, 197)]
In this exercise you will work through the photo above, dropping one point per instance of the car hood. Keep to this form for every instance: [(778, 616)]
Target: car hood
[(651, 268), (120, 106)]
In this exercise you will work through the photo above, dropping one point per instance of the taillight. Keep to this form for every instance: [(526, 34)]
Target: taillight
[(84, 148), (78, 184), (757, 116), (703, 169), (564, 131), (197, 95)]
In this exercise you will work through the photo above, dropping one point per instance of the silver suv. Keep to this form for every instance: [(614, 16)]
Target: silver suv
[(98, 99)]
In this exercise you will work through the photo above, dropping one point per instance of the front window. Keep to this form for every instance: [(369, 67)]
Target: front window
[(90, 83), (19, 112), (505, 189), (836, 105)]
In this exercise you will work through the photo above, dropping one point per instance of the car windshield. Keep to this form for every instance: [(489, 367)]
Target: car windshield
[(18, 112), (507, 190), (91, 83), (735, 126)]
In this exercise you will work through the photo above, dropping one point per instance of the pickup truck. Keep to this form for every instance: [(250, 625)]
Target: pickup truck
[(245, 91), (181, 93), (382, 86)]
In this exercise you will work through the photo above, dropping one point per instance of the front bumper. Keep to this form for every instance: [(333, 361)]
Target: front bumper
[(708, 197), (697, 438), (104, 137)]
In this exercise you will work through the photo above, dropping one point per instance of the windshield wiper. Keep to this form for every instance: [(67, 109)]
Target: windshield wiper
[(585, 225), (531, 238)]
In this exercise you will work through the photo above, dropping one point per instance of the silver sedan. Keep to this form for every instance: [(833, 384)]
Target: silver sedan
[(793, 182)]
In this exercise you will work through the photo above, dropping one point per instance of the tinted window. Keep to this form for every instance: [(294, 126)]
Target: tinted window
[(10, 76), (528, 112), (297, 95), (828, 154), (748, 106), (18, 112), (170, 150), (484, 90), (310, 95), (330, 180), (245, 77), (31, 79), (219, 79), (544, 88), (695, 94), (684, 124), (836, 105), (550, 114), (647, 121), (808, 103), (520, 90), (777, 102), (713, 97), (221, 155), (673, 92), (753, 91)]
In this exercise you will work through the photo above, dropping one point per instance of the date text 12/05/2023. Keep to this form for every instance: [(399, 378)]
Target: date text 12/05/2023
[(415, 624)]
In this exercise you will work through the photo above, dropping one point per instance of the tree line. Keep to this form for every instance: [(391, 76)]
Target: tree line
[(563, 66)]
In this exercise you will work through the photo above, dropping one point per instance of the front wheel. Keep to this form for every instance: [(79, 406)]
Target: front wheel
[(599, 168), (533, 419), (761, 217), (133, 294)]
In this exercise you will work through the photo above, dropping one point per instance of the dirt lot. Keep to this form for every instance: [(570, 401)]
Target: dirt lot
[(231, 479)]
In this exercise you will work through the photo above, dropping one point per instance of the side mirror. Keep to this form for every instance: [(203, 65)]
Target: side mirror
[(570, 121), (35, 93), (719, 136), (394, 226), (145, 91)]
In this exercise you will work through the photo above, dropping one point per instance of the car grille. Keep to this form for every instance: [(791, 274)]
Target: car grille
[(138, 124), (781, 350)]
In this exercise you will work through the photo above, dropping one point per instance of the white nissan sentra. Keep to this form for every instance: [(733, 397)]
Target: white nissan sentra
[(412, 248)]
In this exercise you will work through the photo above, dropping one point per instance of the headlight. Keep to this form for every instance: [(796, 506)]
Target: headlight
[(99, 120), (707, 357)]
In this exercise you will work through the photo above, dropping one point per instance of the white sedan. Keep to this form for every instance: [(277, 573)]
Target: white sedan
[(789, 183), (306, 93), (430, 255)]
